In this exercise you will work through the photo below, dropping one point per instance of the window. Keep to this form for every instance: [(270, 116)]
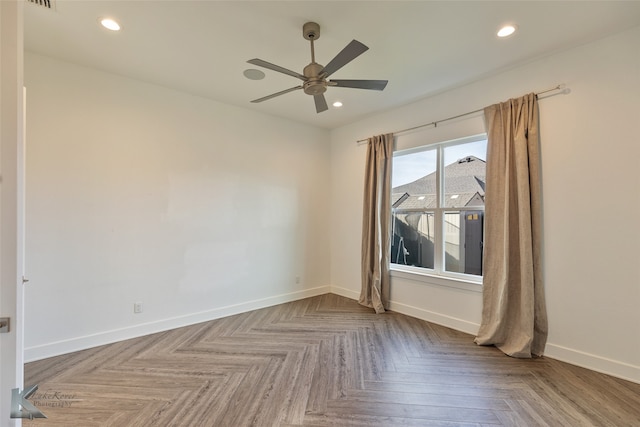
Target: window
[(438, 208)]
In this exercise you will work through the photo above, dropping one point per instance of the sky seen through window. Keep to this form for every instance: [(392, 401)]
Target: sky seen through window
[(412, 166)]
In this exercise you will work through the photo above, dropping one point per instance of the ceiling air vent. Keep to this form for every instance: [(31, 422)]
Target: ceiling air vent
[(49, 4)]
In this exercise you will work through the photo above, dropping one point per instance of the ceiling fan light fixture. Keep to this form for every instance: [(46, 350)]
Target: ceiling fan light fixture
[(506, 30), (337, 104), (253, 74), (110, 24)]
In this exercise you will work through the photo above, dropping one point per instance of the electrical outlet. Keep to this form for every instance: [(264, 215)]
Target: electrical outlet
[(137, 307), (297, 280)]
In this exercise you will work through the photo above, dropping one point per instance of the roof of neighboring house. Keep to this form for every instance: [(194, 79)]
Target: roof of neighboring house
[(419, 201), (464, 186), (428, 201)]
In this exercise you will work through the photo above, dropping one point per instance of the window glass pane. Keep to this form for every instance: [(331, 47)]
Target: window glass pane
[(463, 235), (413, 194), (412, 169), (413, 239), (464, 174)]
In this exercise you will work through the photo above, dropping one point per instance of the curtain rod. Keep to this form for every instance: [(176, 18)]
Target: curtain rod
[(435, 124)]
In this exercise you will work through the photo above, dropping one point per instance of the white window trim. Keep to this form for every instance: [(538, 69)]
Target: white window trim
[(424, 275)]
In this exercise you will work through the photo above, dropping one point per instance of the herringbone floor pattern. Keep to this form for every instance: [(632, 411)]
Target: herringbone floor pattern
[(322, 361)]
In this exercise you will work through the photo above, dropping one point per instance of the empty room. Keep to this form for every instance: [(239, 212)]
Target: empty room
[(319, 213)]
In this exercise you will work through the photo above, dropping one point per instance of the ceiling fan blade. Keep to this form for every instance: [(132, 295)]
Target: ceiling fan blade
[(273, 95), (269, 65), (321, 103), (360, 84), (346, 55)]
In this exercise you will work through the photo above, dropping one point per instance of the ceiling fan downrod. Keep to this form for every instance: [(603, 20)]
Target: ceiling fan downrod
[(315, 84), (311, 32)]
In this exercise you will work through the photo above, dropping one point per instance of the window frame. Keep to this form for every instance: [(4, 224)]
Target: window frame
[(438, 274)]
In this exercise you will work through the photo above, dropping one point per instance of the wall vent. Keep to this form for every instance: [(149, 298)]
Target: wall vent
[(49, 4)]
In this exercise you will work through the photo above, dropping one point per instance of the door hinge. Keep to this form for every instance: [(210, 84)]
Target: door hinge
[(5, 323)]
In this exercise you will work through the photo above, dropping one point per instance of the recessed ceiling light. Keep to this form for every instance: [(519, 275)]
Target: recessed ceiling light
[(506, 31), (337, 104), (110, 24), (253, 74)]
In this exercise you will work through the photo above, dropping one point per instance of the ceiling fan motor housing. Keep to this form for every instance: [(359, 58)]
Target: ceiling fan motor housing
[(315, 84)]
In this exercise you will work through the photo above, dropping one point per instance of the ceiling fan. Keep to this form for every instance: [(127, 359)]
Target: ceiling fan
[(315, 76)]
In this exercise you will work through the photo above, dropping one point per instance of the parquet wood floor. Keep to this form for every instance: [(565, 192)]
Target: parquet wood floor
[(322, 361)]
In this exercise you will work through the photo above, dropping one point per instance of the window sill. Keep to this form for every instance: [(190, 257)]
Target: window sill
[(419, 275)]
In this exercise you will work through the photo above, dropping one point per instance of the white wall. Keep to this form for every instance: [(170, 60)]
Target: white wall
[(591, 192), (137, 193)]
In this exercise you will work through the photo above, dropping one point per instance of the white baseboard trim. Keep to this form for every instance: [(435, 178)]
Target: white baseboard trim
[(344, 292), (437, 318), (593, 362), (419, 313), (107, 337)]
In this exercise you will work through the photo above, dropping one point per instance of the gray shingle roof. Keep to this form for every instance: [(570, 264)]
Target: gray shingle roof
[(428, 201), (464, 178), (419, 201)]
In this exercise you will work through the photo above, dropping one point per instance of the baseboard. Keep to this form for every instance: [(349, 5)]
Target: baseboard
[(344, 292), (437, 318), (593, 362), (419, 313), (82, 343)]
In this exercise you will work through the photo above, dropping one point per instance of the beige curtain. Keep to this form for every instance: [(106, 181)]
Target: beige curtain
[(376, 223), (514, 317)]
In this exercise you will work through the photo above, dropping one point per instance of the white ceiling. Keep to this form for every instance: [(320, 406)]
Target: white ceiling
[(421, 47)]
